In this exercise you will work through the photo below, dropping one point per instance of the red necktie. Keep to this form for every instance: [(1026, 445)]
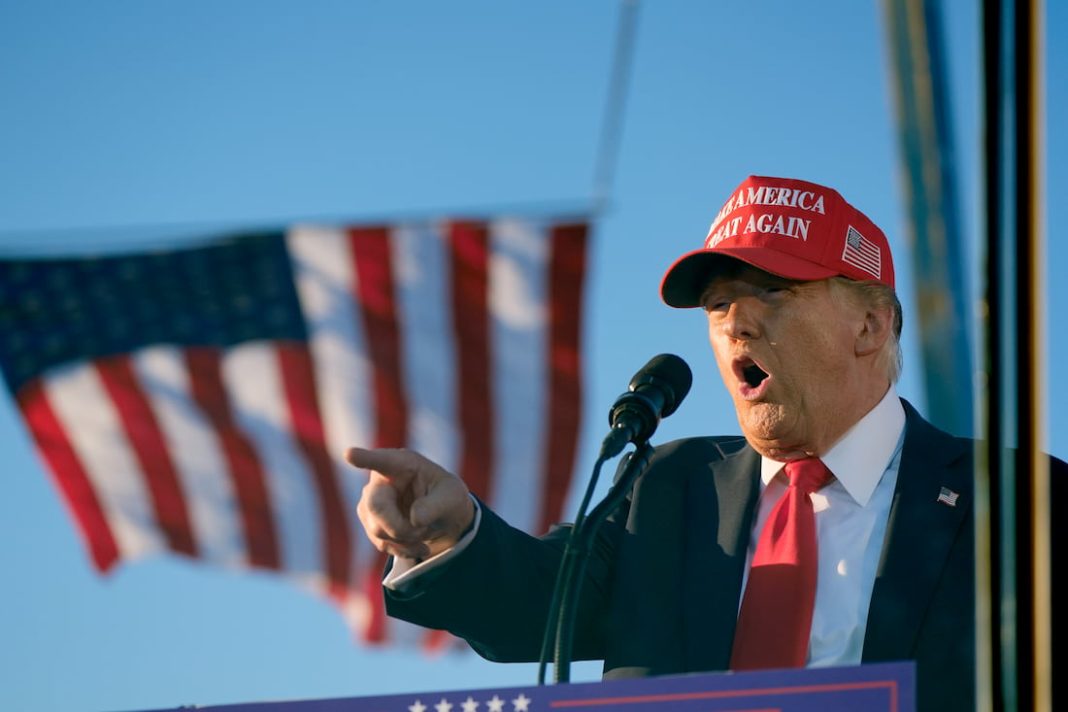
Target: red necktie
[(775, 620)]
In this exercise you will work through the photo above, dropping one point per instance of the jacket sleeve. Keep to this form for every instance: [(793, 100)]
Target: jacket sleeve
[(496, 593)]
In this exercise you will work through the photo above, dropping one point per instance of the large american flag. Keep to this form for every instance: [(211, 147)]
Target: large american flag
[(198, 401)]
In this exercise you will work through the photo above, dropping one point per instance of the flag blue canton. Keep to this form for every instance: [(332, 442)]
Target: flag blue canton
[(59, 311)]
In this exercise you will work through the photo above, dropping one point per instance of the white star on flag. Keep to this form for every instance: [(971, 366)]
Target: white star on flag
[(496, 704), (443, 706), (417, 707), (469, 704), (521, 703)]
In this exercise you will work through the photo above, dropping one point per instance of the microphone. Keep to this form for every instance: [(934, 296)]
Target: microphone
[(654, 393)]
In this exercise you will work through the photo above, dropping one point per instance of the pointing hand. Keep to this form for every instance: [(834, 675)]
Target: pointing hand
[(410, 507)]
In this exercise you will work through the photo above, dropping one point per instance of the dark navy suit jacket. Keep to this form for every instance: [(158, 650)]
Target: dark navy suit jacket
[(662, 588)]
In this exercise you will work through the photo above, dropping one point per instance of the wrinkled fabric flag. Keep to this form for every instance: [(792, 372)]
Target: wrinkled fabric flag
[(199, 401)]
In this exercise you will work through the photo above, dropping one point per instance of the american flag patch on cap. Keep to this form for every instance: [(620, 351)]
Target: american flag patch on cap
[(862, 253), (948, 497)]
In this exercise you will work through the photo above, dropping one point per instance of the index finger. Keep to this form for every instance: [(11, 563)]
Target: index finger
[(391, 464)]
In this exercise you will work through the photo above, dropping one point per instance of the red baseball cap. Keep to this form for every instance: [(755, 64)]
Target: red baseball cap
[(791, 228)]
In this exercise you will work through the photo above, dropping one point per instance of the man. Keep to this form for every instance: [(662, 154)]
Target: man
[(876, 503)]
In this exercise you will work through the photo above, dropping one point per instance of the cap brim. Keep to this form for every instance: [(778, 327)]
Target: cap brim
[(685, 280)]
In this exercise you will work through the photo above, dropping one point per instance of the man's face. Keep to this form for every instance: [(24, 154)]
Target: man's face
[(786, 351)]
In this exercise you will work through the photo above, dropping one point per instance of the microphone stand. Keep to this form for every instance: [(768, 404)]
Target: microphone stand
[(562, 609)]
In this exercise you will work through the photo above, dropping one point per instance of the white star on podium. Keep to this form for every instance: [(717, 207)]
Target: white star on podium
[(521, 703), (443, 706), (417, 707), (496, 704), (469, 704)]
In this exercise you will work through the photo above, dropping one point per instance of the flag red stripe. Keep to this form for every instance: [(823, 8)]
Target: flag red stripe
[(567, 269), (149, 446), (69, 475), (435, 641), (469, 279), (469, 258), (375, 291), (298, 382), (246, 471), (376, 295)]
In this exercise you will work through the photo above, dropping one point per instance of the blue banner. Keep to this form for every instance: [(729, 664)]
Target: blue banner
[(884, 687)]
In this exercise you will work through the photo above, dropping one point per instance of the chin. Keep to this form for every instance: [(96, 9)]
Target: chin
[(768, 427), (764, 419)]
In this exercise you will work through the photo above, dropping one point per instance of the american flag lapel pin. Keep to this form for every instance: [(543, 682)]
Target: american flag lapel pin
[(948, 497)]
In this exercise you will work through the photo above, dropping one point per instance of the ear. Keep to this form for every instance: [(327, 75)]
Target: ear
[(873, 331)]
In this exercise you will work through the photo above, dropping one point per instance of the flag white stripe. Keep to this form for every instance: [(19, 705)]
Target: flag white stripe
[(862, 260), (197, 455), (326, 285), (873, 269), (251, 375), (424, 314), (91, 421), (518, 320), (429, 355), (868, 257), (865, 251)]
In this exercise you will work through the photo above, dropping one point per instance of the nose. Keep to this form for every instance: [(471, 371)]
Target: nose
[(741, 320)]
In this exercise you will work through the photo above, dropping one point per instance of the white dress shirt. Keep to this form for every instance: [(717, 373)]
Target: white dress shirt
[(851, 517), (404, 571)]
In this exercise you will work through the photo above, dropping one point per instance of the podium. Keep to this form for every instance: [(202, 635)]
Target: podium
[(883, 687)]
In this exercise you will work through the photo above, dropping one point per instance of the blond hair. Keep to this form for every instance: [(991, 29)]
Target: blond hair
[(876, 295)]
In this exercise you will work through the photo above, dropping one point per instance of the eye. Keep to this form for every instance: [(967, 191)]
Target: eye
[(776, 291), (716, 304)]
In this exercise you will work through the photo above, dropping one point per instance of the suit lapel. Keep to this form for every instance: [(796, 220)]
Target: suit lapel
[(720, 501), (920, 534)]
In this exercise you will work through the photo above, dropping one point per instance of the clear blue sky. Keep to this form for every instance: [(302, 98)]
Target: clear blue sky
[(131, 121)]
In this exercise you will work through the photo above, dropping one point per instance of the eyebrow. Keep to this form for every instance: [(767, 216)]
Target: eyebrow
[(764, 279)]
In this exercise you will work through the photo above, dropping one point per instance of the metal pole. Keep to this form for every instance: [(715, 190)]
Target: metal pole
[(1014, 651), (925, 140)]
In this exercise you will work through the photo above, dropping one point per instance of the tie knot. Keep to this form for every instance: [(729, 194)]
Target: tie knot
[(808, 475)]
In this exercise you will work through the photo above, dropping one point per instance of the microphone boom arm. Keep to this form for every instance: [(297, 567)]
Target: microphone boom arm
[(654, 393), (577, 554)]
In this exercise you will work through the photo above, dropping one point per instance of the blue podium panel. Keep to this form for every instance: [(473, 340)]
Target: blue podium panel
[(885, 687)]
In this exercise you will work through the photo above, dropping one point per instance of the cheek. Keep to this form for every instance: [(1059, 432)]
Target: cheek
[(824, 358), (721, 353)]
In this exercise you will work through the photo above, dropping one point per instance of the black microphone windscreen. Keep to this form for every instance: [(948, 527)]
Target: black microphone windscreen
[(669, 372)]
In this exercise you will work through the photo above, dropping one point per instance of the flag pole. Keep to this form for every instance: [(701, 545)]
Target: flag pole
[(926, 154), (612, 122), (1015, 661)]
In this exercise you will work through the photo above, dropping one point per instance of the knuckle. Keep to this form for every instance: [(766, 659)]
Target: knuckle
[(380, 534), (379, 500)]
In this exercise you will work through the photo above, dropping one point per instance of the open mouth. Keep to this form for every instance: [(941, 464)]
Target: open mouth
[(754, 375), (753, 379)]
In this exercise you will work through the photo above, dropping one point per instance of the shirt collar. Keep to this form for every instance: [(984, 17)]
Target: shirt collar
[(860, 457)]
